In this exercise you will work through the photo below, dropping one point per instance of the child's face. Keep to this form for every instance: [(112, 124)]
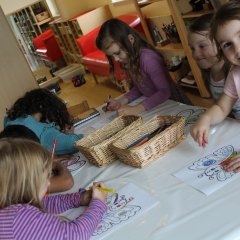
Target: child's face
[(203, 50), (115, 51), (44, 186), (228, 36)]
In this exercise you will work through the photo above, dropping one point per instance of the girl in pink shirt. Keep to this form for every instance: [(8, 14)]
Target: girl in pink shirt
[(25, 210), (225, 30)]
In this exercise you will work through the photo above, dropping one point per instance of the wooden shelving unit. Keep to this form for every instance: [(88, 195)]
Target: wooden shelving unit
[(67, 31), (168, 9), (28, 21)]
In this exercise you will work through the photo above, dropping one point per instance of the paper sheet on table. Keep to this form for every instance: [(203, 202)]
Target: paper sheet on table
[(206, 174), (127, 204), (74, 163)]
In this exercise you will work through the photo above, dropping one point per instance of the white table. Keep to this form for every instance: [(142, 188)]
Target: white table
[(183, 213)]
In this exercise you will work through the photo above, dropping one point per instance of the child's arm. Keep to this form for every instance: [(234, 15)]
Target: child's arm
[(62, 202), (214, 115), (39, 225), (61, 180), (65, 141)]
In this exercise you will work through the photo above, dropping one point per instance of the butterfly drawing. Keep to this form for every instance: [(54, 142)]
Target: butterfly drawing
[(119, 210), (74, 163), (191, 114), (209, 165)]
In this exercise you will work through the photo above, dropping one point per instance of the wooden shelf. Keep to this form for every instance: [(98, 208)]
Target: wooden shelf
[(196, 14), (165, 12), (27, 24), (171, 47), (44, 21), (188, 85)]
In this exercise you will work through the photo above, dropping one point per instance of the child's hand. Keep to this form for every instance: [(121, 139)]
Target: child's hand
[(199, 131), (68, 129), (86, 197), (112, 105), (233, 165), (98, 194)]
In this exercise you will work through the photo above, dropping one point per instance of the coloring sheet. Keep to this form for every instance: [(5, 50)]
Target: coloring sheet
[(127, 204), (75, 163), (191, 115), (205, 174), (106, 118)]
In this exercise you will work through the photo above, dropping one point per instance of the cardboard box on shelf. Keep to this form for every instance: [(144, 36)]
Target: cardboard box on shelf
[(42, 16)]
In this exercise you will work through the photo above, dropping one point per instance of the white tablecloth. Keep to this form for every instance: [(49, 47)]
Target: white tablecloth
[(183, 213)]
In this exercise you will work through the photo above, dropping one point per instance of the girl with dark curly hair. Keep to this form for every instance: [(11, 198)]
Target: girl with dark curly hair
[(47, 116), (144, 66)]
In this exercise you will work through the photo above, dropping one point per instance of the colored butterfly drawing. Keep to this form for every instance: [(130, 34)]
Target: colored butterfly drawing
[(74, 163), (209, 165), (118, 211)]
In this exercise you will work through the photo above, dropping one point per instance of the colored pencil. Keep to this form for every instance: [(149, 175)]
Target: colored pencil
[(54, 148), (112, 190)]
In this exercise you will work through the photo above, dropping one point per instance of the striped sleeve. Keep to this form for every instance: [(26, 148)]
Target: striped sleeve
[(62, 202), (31, 223)]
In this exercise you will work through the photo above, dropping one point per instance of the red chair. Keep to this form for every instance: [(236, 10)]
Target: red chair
[(95, 60), (46, 47)]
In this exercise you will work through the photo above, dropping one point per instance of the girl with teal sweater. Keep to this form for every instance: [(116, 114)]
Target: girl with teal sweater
[(47, 116)]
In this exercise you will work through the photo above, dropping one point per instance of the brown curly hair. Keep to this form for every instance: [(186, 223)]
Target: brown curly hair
[(52, 108)]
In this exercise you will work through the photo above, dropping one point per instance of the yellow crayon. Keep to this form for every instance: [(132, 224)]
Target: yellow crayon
[(112, 190)]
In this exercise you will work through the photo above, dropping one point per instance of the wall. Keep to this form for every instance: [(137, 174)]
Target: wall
[(16, 76), (10, 6), (13, 5), (116, 9), (53, 8), (69, 8)]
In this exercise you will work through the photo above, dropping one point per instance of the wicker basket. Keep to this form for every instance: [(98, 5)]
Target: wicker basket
[(95, 146), (142, 155)]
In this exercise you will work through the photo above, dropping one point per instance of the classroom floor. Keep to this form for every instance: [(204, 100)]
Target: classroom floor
[(96, 94)]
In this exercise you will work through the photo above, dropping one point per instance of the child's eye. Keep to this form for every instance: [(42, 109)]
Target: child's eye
[(203, 46), (226, 45)]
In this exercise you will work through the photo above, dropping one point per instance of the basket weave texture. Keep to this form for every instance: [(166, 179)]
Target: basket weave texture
[(149, 151), (96, 146)]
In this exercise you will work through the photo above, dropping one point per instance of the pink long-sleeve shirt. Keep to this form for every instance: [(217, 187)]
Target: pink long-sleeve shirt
[(155, 83), (23, 221)]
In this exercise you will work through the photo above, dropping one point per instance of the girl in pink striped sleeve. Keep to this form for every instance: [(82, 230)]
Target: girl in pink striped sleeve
[(25, 210), (225, 30)]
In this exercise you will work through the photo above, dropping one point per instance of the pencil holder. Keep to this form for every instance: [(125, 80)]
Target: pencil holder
[(164, 132), (96, 146)]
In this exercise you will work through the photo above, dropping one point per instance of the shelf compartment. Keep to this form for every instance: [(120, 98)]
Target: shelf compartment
[(171, 47), (196, 14)]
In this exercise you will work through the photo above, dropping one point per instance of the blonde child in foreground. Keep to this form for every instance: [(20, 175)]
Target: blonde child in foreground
[(225, 29), (25, 210)]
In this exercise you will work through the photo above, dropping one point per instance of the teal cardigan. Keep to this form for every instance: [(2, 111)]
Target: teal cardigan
[(47, 133)]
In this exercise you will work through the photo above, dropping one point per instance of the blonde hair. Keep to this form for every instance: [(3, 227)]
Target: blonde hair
[(23, 168)]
